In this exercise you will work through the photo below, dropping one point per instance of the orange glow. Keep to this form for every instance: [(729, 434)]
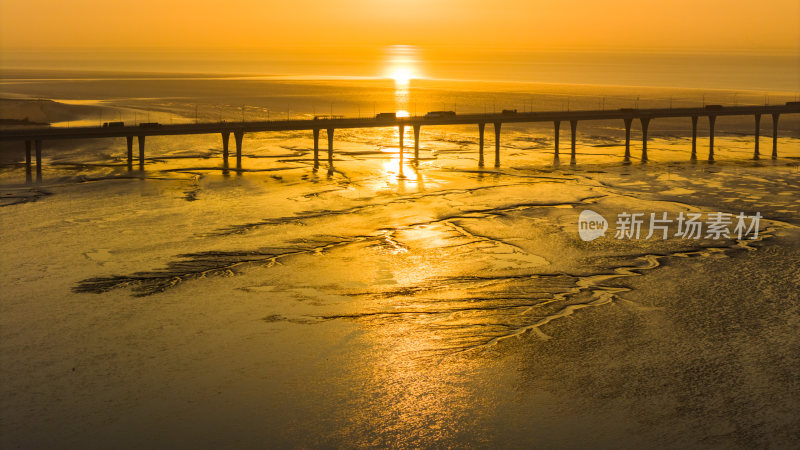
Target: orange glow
[(506, 40), (350, 27)]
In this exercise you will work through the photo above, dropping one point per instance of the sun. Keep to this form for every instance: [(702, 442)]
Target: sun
[(401, 75), (402, 64)]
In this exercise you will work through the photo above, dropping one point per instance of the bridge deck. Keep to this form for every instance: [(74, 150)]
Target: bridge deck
[(19, 134)]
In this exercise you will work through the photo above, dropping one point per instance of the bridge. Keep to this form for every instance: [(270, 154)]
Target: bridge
[(34, 136)]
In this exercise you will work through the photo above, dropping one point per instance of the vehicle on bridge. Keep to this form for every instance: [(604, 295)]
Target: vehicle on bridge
[(386, 115), (149, 125), (113, 124), (713, 106), (439, 114), (509, 111), (328, 117)]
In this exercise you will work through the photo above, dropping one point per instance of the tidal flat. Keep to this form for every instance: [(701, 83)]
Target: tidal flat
[(349, 306)]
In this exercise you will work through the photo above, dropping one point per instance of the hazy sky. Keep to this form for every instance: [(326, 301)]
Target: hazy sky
[(176, 25)]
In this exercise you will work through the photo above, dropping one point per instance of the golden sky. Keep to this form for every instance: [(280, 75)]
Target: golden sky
[(176, 25)]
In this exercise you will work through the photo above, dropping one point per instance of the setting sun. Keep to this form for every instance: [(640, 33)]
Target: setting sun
[(401, 63), (401, 75)]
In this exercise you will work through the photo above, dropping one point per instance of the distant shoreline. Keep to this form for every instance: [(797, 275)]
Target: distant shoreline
[(28, 74), (24, 121)]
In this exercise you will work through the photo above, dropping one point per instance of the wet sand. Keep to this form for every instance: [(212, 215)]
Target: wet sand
[(453, 307)]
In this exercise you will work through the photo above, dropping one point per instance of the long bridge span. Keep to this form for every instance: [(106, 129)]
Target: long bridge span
[(34, 136)]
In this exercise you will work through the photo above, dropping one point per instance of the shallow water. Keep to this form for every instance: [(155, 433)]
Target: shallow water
[(452, 306)]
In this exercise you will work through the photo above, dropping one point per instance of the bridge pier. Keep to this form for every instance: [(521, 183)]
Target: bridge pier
[(28, 168), (129, 143), (238, 136), (694, 138), (416, 144), (628, 123), (38, 145), (316, 148), (226, 137), (758, 136), (481, 127), (402, 129), (497, 126), (775, 117), (140, 139), (712, 119), (330, 148), (557, 125), (573, 124), (645, 123)]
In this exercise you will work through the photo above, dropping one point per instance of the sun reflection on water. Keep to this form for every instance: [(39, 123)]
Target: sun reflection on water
[(391, 167), (402, 66)]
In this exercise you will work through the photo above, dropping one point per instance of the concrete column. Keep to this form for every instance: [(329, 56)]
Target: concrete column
[(38, 145), (628, 139), (481, 127), (402, 132), (712, 119), (129, 142), (645, 123), (497, 126), (238, 136), (694, 138), (226, 137), (141, 151), (416, 144), (28, 168), (758, 136), (775, 117), (557, 124), (330, 147), (573, 124), (316, 147)]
